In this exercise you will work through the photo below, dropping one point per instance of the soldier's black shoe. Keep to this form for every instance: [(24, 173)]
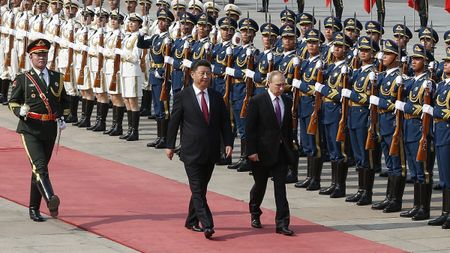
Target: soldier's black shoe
[(154, 143), (314, 185), (383, 173), (439, 221), (208, 232), (381, 204), (366, 198), (244, 167), (161, 144), (35, 215), (72, 119), (134, 135), (410, 213), (195, 228), (338, 192), (355, 197), (95, 125), (53, 204), (304, 183), (328, 190), (236, 165), (256, 223), (284, 231), (422, 214)]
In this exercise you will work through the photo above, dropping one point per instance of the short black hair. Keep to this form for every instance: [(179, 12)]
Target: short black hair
[(200, 63)]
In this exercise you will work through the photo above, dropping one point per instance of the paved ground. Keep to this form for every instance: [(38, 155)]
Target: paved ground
[(18, 234)]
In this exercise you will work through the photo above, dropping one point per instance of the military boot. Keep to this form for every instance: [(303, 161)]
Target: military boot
[(114, 120), (330, 189), (355, 197), (134, 135), (411, 212), (236, 165), (46, 190), (316, 173), (104, 107), (73, 116), (130, 126), (86, 122), (158, 134), (366, 198), (245, 164), (117, 131), (425, 197), (389, 194), (292, 173), (97, 118), (439, 221), (162, 143), (83, 112), (342, 170), (305, 183), (395, 205)]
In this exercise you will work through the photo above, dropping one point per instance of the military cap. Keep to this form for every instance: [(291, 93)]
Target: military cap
[(136, 17), (211, 6), (43, 2), (349, 24), (88, 10), (365, 42), (288, 30), (165, 14), (269, 28), (312, 35), (447, 54), (72, 4), (103, 12), (305, 18), (178, 4), (115, 14), (232, 9), (39, 46), (447, 36), (147, 2), (188, 17), (166, 3), (205, 19), (332, 22), (419, 51), (374, 27), (391, 46), (56, 1), (227, 23), (287, 14), (426, 32), (127, 1), (195, 4), (248, 23), (400, 29), (341, 39)]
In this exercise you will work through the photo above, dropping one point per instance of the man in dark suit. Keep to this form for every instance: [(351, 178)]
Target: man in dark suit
[(201, 113), (270, 148)]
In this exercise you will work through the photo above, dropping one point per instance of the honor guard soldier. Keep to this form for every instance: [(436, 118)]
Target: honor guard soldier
[(417, 89), (233, 11), (3, 38), (335, 76), (9, 69), (388, 83), (82, 69), (332, 25), (358, 119), (220, 54), (428, 38), (37, 22), (212, 10), (195, 7), (178, 8), (287, 17), (157, 47), (113, 41), (202, 47), (310, 143), (248, 28), (160, 4), (402, 36), (440, 74), (53, 29), (352, 29), (441, 115), (306, 22), (22, 37), (39, 100)]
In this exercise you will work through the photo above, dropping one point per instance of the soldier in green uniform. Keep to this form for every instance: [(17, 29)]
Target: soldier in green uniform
[(39, 100)]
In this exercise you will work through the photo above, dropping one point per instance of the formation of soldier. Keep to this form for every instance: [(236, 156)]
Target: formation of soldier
[(356, 96)]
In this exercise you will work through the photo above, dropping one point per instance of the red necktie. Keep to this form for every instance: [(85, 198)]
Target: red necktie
[(204, 108)]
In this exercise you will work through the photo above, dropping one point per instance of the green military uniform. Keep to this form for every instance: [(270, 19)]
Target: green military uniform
[(38, 106)]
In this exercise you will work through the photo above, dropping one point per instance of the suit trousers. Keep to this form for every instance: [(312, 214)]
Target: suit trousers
[(261, 175), (199, 176)]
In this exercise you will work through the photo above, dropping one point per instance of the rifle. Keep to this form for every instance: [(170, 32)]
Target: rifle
[(372, 135), (56, 46), (355, 60), (340, 136), (248, 84), (423, 143), (101, 43), (314, 121), (113, 83), (143, 62), (270, 64), (187, 71), (80, 79), (11, 38), (24, 44), (432, 70), (68, 73), (229, 79), (214, 38), (295, 102), (164, 97)]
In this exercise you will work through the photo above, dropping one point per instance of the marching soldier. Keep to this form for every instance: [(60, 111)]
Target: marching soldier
[(332, 25), (358, 120), (212, 10), (287, 17), (248, 28), (39, 100), (202, 48), (3, 38), (178, 8), (195, 7), (306, 22), (429, 38), (332, 110), (37, 22), (22, 28), (416, 89), (352, 29), (388, 83), (233, 11), (441, 115), (53, 29), (157, 48)]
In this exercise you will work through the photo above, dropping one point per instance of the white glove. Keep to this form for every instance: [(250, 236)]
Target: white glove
[(166, 40), (213, 67), (380, 56), (296, 83), (332, 49), (319, 64), (428, 109), (187, 63), (344, 69), (24, 109), (229, 50), (372, 76), (318, 87), (12, 32), (84, 48), (186, 44), (249, 73), (431, 65), (157, 75), (101, 50), (404, 59), (207, 46), (427, 84), (168, 60), (296, 61), (399, 80), (61, 123), (248, 52), (346, 93), (269, 56), (355, 52), (57, 39), (21, 34), (399, 105), (118, 51), (374, 100), (124, 55), (229, 71)]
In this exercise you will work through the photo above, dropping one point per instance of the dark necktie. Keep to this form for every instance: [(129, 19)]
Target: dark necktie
[(41, 75), (278, 110), (204, 107)]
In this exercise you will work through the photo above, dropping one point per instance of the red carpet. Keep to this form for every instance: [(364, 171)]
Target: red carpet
[(146, 212)]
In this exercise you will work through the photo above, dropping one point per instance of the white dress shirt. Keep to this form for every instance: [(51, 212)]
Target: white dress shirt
[(198, 95), (274, 103)]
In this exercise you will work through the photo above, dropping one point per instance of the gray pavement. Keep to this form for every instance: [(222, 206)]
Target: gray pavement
[(18, 234)]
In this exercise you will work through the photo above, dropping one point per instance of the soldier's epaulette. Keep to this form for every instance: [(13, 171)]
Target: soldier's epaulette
[(275, 53)]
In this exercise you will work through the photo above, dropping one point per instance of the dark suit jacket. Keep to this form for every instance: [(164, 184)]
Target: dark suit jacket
[(264, 135), (200, 142)]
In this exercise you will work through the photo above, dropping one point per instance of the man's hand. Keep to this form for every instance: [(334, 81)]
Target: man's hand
[(228, 151), (61, 123), (169, 153), (253, 158)]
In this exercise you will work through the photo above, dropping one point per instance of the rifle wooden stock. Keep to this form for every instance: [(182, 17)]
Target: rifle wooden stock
[(270, 67), (314, 120), (228, 81), (187, 71), (11, 41), (68, 73), (249, 87), (372, 135), (423, 144), (143, 62), (113, 83), (165, 86), (23, 57), (295, 102), (98, 76), (355, 62), (56, 50), (340, 136), (396, 137), (84, 55)]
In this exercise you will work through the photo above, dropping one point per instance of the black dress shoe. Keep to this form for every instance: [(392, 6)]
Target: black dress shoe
[(384, 174), (195, 228), (284, 231), (256, 223), (439, 221), (53, 205), (208, 232), (35, 215)]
